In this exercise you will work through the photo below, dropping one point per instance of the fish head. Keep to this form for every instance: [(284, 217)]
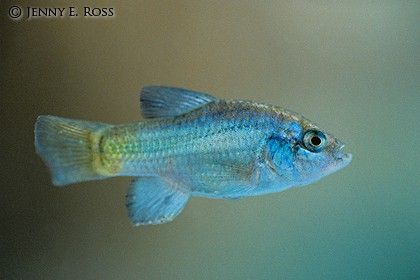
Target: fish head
[(303, 153)]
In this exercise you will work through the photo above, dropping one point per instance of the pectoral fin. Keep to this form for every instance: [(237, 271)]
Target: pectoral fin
[(151, 201), (227, 180)]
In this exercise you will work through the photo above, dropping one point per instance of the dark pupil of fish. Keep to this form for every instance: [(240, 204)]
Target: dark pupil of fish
[(316, 141)]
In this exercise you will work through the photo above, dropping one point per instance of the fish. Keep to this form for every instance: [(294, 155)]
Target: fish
[(190, 144)]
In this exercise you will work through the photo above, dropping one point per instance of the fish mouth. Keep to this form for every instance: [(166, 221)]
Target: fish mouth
[(343, 158)]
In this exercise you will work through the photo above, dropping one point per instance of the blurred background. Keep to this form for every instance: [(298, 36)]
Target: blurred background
[(351, 66)]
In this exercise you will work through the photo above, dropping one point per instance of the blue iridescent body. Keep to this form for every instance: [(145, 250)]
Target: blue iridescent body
[(190, 144)]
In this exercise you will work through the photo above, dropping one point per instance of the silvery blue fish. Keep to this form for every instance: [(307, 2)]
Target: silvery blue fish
[(190, 144)]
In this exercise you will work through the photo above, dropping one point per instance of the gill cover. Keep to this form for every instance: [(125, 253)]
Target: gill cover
[(280, 154)]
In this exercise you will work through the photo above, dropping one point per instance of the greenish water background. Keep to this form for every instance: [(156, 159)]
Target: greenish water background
[(351, 66)]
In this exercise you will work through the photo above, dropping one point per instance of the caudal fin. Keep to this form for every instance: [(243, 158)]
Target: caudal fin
[(68, 148)]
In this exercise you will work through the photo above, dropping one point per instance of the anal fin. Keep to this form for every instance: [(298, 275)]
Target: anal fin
[(151, 201)]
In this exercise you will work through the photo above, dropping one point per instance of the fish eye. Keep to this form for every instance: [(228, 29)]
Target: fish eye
[(314, 141)]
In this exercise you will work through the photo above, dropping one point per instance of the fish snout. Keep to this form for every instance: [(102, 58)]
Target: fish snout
[(343, 158)]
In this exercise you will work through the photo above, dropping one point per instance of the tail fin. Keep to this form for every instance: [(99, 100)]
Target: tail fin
[(68, 148)]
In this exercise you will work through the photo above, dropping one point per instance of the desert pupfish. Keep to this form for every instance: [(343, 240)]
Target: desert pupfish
[(190, 143)]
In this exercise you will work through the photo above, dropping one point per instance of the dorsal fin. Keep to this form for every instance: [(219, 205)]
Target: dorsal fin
[(165, 102)]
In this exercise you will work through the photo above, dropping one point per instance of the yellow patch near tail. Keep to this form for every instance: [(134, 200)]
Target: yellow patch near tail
[(99, 158)]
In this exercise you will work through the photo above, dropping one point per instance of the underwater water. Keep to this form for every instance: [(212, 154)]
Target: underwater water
[(350, 66)]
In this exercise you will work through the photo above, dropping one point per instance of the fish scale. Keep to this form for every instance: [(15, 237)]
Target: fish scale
[(200, 136)]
